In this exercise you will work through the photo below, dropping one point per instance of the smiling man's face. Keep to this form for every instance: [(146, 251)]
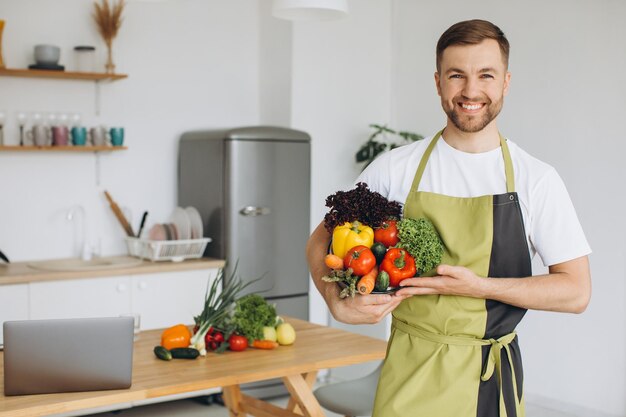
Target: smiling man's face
[(472, 83)]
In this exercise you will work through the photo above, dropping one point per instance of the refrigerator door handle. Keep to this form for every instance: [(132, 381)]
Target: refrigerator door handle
[(254, 211)]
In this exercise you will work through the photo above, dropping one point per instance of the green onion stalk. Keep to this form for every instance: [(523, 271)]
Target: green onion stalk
[(217, 305)]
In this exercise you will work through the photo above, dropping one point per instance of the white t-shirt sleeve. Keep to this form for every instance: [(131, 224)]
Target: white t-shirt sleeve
[(555, 232), (377, 175)]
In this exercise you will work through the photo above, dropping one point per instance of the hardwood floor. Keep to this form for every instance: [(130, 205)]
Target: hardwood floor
[(194, 408)]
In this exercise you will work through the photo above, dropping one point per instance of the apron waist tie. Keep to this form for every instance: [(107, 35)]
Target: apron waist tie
[(494, 360)]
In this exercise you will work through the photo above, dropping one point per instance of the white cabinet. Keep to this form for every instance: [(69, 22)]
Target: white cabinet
[(169, 298), (93, 297), (13, 304), (160, 299)]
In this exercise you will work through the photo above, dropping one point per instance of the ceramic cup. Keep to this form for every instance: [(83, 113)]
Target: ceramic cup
[(60, 135), (98, 136), (79, 135), (39, 135), (117, 136)]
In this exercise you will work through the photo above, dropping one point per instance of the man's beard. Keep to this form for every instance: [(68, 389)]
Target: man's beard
[(474, 123)]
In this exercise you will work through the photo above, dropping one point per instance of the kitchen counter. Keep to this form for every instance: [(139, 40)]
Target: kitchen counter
[(21, 273)]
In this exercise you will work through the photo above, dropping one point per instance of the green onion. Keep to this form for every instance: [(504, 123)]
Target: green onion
[(217, 304)]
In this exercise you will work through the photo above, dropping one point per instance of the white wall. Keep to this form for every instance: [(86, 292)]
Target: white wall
[(341, 84), (275, 59), (566, 107), (191, 64)]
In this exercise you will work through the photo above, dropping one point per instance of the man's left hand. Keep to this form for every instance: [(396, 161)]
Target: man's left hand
[(451, 280)]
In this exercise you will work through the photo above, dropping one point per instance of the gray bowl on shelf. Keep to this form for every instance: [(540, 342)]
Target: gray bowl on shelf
[(47, 54)]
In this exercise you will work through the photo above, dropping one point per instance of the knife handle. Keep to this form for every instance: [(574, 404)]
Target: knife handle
[(142, 224)]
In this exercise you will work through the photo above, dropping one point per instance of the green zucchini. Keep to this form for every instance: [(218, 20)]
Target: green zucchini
[(185, 353), (162, 353), (382, 281)]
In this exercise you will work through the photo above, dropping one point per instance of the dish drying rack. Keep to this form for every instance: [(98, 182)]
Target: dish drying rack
[(166, 250)]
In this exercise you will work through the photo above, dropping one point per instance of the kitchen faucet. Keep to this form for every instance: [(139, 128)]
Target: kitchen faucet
[(87, 251)]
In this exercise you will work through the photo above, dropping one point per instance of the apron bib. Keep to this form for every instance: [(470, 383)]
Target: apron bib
[(453, 356)]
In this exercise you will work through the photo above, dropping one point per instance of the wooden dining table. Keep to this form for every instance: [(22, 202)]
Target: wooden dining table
[(316, 347)]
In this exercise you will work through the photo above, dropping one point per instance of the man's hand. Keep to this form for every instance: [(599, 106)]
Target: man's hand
[(566, 288), (360, 309), (364, 309), (451, 280)]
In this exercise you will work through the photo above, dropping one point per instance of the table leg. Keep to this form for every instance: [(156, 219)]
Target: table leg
[(232, 400), (310, 379), (302, 394)]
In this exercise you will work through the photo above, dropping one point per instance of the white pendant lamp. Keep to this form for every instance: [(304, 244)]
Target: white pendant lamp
[(310, 9)]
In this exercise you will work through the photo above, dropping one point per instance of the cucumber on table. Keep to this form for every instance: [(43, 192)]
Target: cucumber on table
[(184, 353), (162, 353)]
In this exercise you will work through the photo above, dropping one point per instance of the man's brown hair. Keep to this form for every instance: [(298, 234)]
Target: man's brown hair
[(472, 32)]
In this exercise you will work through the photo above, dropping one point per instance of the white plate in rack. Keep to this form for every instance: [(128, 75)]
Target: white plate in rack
[(197, 229), (182, 223)]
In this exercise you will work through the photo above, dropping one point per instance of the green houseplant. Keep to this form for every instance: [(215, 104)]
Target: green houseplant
[(383, 139)]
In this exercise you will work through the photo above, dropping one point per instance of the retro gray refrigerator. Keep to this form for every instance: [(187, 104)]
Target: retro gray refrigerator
[(252, 188)]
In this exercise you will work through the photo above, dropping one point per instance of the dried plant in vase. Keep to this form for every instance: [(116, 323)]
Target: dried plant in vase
[(109, 19), (1, 30)]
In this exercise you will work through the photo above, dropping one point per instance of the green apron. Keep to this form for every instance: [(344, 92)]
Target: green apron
[(453, 356)]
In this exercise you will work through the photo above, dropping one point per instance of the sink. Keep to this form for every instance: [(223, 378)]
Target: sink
[(96, 264)]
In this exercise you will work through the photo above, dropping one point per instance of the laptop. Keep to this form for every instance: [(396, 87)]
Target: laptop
[(65, 355)]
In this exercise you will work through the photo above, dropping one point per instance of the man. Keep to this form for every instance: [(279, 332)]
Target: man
[(453, 351)]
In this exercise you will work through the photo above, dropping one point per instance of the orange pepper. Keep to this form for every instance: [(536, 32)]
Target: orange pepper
[(175, 337)]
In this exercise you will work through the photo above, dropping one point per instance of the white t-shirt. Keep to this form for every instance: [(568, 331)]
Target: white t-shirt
[(552, 227)]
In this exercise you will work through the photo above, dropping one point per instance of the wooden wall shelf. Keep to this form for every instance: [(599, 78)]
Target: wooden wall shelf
[(18, 148), (65, 75)]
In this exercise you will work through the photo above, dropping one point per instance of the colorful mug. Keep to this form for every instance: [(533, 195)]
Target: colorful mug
[(117, 136), (39, 135), (60, 135), (79, 135), (98, 136)]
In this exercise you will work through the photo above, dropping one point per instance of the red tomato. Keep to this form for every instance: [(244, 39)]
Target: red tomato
[(361, 259), (237, 343), (387, 233)]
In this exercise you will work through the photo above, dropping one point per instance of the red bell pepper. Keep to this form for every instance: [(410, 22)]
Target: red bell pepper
[(399, 265)]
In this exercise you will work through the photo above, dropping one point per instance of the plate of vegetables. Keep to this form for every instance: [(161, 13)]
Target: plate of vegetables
[(372, 248)]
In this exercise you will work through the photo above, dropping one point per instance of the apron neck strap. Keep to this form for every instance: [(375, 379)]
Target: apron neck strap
[(506, 155), (508, 165)]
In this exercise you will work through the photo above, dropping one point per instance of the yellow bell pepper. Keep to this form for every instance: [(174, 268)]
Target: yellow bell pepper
[(349, 235)]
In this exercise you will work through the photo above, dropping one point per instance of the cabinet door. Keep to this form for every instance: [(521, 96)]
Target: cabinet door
[(78, 298), (13, 304), (168, 298)]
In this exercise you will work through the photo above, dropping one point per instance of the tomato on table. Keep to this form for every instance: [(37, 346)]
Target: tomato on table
[(237, 343)]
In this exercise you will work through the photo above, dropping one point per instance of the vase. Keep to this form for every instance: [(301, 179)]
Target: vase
[(110, 66), (1, 30)]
